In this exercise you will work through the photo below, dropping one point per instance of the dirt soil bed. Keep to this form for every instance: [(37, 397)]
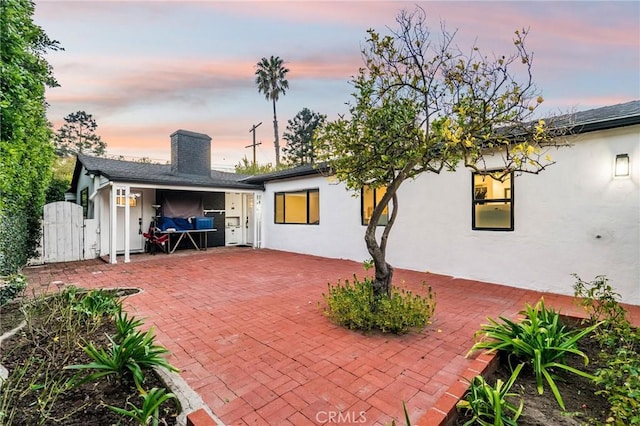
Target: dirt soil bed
[(26, 352), (583, 406), (10, 317)]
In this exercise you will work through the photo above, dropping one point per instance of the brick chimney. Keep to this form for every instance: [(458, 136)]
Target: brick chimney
[(190, 153)]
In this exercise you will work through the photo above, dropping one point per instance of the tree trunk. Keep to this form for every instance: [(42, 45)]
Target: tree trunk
[(382, 282), (384, 271), (276, 139)]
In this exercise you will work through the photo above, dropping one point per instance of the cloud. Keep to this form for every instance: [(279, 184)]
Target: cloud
[(145, 69), (150, 82), (152, 140)]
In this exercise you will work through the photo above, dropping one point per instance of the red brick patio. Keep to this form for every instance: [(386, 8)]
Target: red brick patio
[(245, 328)]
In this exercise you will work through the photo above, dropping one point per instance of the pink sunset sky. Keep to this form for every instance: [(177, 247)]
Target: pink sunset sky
[(147, 68)]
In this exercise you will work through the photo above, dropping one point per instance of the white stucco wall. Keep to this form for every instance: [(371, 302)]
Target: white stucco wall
[(572, 218), (339, 233)]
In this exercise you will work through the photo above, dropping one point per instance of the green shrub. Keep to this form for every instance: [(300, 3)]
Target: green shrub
[(539, 339), (26, 151), (97, 303), (600, 302), (354, 306), (404, 310), (13, 286), (620, 383), (351, 305), (92, 303), (488, 404), (619, 379)]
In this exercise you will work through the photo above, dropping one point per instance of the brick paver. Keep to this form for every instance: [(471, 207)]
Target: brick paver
[(246, 330)]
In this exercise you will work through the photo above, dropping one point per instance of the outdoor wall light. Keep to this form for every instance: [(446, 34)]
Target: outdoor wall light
[(621, 166), (133, 199)]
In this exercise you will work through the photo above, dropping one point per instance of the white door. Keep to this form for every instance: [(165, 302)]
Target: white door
[(136, 240), (248, 219)]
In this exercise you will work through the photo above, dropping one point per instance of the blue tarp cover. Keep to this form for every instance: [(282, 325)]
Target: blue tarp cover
[(177, 223)]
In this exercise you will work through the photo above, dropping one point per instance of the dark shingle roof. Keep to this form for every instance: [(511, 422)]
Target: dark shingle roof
[(298, 171), (158, 174), (608, 117)]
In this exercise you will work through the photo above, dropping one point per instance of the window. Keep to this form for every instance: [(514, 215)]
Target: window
[(301, 207), (370, 199), (492, 202), (84, 201)]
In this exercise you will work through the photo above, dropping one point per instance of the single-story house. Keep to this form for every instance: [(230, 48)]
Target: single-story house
[(122, 199), (581, 215)]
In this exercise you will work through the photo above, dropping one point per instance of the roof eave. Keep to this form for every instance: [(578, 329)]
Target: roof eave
[(607, 124), (168, 182), (261, 179)]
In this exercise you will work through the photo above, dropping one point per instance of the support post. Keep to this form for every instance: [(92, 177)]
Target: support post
[(113, 219), (127, 224)]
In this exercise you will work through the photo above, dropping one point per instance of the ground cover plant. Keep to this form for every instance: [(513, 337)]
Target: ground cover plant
[(355, 305), (58, 332)]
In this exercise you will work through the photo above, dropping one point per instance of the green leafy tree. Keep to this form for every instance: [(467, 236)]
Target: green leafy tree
[(300, 136), (272, 82), (78, 136), (246, 167), (26, 151), (62, 169), (423, 105)]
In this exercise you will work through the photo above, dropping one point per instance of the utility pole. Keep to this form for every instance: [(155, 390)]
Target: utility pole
[(254, 144)]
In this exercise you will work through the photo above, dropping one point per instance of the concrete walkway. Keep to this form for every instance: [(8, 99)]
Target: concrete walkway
[(246, 330)]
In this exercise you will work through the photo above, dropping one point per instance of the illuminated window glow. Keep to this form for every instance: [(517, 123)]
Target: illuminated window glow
[(299, 207), (492, 201), (369, 200)]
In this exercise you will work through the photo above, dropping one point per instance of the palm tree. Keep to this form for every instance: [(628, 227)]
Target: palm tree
[(271, 81)]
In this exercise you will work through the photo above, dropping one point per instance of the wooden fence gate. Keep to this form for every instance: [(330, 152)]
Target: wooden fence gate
[(62, 232)]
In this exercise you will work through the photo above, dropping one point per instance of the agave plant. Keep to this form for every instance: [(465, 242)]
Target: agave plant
[(539, 339)]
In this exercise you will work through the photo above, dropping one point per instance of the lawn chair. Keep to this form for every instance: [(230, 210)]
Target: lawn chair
[(154, 242)]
